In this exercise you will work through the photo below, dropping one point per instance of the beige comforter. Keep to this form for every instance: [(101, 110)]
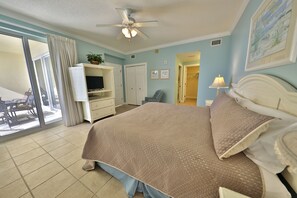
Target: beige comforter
[(171, 149)]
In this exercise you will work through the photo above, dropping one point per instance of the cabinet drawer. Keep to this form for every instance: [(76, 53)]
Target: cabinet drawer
[(101, 104), (99, 113)]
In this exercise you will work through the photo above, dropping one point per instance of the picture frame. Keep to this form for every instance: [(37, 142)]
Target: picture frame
[(154, 74), (164, 74), (273, 35)]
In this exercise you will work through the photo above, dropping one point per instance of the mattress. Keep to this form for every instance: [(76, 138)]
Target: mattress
[(274, 188), (170, 148)]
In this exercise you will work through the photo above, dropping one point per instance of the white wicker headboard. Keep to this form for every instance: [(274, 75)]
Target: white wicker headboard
[(273, 92), (269, 91)]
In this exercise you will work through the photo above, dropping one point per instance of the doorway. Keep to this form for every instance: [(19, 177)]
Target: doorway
[(188, 67)]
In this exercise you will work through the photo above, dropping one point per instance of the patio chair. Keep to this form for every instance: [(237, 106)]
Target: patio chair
[(4, 116), (25, 97), (29, 106)]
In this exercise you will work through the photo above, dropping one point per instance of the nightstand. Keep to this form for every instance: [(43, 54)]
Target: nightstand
[(208, 102), (226, 193)]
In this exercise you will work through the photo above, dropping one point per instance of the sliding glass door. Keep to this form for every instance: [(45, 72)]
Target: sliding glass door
[(28, 94), (43, 70)]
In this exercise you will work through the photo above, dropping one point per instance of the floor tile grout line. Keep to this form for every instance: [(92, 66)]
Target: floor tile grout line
[(73, 175), (52, 142), (77, 180), (20, 147), (20, 175), (48, 179), (40, 147), (67, 171), (54, 159), (46, 143), (30, 159), (104, 184), (39, 167)]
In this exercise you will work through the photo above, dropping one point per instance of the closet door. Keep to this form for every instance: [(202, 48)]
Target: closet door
[(131, 85), (140, 84)]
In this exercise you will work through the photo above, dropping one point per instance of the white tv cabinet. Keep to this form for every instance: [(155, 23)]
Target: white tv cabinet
[(99, 103)]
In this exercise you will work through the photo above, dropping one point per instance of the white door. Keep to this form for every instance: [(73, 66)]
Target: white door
[(140, 84), (180, 83), (118, 84), (136, 83), (185, 84), (131, 85)]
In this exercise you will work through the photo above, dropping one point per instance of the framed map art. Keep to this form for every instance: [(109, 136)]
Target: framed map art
[(272, 39)]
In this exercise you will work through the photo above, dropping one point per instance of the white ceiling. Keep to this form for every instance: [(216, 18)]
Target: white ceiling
[(179, 21)]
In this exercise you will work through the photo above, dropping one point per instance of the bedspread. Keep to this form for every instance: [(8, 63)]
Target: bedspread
[(170, 148)]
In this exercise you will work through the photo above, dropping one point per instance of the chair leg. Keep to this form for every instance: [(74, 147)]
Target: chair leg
[(32, 111)]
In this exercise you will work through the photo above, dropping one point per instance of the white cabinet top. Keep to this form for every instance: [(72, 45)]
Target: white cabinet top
[(93, 66)]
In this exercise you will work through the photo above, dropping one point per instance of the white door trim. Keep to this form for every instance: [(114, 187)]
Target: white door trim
[(145, 76), (117, 65), (185, 78), (192, 65)]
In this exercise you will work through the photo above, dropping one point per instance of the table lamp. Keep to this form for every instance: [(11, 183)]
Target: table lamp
[(218, 83)]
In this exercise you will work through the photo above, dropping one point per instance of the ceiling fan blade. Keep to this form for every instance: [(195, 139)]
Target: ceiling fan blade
[(110, 25), (146, 24), (141, 34), (124, 13)]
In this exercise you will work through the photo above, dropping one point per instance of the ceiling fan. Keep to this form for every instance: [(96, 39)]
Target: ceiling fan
[(130, 28)]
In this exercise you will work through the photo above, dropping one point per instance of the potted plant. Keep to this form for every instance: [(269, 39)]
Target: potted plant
[(95, 58)]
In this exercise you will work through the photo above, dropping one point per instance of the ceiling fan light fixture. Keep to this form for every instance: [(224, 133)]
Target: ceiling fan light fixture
[(126, 33)]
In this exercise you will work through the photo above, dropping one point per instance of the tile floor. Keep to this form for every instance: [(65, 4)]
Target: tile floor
[(48, 164)]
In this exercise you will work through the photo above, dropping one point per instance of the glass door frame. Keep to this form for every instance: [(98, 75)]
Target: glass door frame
[(31, 73), (48, 79)]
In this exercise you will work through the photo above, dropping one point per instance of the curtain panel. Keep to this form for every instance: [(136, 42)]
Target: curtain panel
[(63, 55)]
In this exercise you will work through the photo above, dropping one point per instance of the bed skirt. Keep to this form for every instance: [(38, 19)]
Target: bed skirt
[(132, 185)]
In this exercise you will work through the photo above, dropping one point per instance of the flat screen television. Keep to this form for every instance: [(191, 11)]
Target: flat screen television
[(95, 82)]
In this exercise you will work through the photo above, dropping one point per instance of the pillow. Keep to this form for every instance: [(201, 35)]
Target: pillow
[(262, 152), (234, 128)]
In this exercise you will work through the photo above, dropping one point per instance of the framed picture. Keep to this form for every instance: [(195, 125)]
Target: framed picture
[(272, 39), (154, 74), (164, 74)]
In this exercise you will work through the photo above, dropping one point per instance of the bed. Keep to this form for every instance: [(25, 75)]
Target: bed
[(166, 150)]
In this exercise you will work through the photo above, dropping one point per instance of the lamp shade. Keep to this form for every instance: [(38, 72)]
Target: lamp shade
[(127, 31), (218, 83)]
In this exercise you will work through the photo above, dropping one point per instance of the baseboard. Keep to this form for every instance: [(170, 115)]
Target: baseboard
[(189, 97)]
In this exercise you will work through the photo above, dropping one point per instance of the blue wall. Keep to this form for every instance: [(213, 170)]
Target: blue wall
[(239, 46), (214, 61)]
